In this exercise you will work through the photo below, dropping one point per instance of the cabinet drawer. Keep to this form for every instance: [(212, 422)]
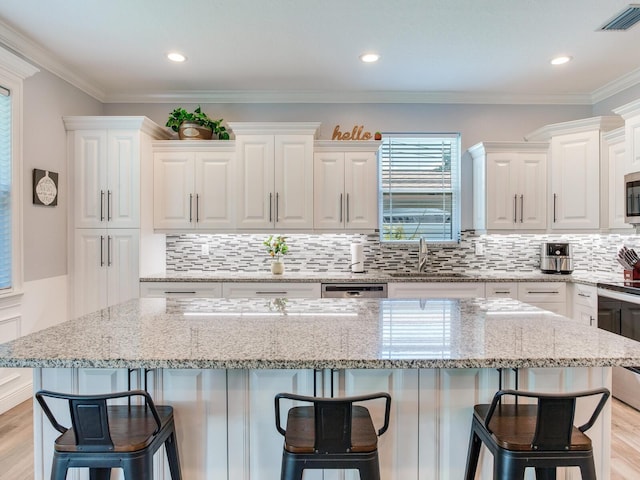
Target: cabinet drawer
[(585, 295), (436, 290), (275, 289), (501, 289), (180, 289), (542, 292)]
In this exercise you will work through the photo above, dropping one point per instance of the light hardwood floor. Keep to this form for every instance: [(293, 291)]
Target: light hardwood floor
[(16, 443)]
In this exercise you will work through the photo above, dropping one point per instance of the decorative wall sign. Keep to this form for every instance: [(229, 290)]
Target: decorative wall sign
[(45, 187), (356, 133)]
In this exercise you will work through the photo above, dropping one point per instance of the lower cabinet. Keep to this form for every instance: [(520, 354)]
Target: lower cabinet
[(181, 289), (585, 304), (272, 289), (551, 296), (436, 290)]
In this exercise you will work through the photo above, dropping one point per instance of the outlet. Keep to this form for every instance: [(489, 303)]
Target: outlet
[(479, 248), (205, 249)]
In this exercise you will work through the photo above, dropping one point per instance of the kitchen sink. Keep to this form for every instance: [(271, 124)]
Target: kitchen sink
[(428, 275)]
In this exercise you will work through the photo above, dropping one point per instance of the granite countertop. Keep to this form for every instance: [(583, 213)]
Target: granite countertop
[(320, 333), (583, 277)]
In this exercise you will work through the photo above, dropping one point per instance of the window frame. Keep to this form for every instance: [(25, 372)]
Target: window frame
[(13, 70), (455, 187)]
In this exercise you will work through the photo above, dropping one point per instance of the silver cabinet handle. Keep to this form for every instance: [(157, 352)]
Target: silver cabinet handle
[(341, 208), (555, 197), (272, 293), (348, 208), (505, 292), (580, 294), (108, 205), (102, 205), (521, 208), (515, 208), (190, 207), (109, 251), (591, 321), (102, 250), (539, 292), (277, 206), (270, 212), (197, 207), (168, 292)]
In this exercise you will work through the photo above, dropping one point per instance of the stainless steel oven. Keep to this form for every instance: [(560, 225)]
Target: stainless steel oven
[(632, 196), (619, 312)]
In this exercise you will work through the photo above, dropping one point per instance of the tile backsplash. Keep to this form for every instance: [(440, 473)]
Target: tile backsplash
[(330, 253)]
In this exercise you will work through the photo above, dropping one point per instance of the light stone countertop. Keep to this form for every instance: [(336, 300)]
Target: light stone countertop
[(583, 277), (320, 333)]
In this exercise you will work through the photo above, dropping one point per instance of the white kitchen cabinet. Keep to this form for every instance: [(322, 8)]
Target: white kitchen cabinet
[(575, 161), (194, 185), (618, 166), (585, 304), (110, 219), (631, 115), (346, 186), (270, 290), (274, 175), (106, 166), (181, 289), (106, 270), (550, 296), (510, 185), (501, 290), (436, 290)]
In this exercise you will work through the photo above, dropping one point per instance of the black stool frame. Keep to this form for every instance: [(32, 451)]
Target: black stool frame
[(550, 442), (332, 448), (94, 446)]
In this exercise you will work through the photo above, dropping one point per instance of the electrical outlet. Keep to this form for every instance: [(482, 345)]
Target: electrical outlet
[(205, 249), (479, 248)]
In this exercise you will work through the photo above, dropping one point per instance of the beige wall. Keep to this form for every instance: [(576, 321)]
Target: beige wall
[(46, 100)]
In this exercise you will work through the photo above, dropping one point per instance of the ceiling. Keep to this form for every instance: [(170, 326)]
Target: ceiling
[(461, 51)]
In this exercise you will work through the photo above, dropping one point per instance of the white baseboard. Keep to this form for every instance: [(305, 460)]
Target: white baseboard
[(16, 397)]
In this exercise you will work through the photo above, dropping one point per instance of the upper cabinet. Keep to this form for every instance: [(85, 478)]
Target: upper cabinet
[(631, 115), (510, 185), (618, 162), (346, 185), (576, 158), (274, 175), (194, 185)]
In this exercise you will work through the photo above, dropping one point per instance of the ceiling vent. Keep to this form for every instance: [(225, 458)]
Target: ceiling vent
[(624, 20)]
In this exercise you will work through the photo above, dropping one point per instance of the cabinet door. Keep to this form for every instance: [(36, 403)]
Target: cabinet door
[(436, 290), (618, 167), (585, 315), (123, 179), (501, 290), (90, 178), (256, 196), (214, 190), (532, 191), (361, 190), (90, 273), (328, 190), (271, 290), (293, 181), (122, 254), (502, 197), (173, 190), (632, 139), (575, 187)]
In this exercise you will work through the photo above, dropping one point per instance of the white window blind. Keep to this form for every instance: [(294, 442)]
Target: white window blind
[(5, 190), (420, 182)]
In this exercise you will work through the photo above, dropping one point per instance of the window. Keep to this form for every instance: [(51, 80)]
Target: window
[(420, 188), (6, 259)]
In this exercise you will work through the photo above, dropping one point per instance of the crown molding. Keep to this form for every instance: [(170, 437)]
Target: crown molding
[(628, 110), (42, 57), (10, 62), (283, 128), (602, 123), (618, 85), (143, 124), (483, 148)]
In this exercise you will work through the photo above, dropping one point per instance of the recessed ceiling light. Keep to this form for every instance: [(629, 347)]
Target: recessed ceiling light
[(176, 57), (561, 60), (369, 57)]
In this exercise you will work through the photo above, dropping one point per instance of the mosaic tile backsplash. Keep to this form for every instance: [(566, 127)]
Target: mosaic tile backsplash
[(330, 253)]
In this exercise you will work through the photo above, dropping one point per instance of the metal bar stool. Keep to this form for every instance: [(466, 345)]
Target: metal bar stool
[(105, 436), (539, 435), (331, 434)]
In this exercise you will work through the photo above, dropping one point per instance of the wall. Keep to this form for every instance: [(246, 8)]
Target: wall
[(46, 100)]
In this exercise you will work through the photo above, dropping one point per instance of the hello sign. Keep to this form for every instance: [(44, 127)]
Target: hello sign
[(355, 134)]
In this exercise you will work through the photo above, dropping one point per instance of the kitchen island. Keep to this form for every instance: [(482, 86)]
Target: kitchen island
[(219, 362)]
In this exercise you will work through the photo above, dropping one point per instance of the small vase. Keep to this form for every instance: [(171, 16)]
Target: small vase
[(277, 267)]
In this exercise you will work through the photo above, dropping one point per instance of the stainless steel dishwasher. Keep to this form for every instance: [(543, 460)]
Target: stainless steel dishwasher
[(354, 290)]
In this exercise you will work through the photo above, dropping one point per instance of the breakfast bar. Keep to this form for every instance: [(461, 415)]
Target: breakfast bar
[(220, 362)]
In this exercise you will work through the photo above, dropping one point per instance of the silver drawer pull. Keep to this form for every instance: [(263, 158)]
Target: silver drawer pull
[(170, 292), (502, 291), (585, 295), (542, 291), (271, 293)]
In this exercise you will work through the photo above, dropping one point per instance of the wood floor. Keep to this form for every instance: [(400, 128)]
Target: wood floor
[(16, 443)]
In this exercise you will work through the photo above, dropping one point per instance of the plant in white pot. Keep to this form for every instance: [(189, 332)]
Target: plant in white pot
[(276, 247), (196, 125)]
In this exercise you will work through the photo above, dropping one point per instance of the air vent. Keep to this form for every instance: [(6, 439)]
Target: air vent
[(624, 20)]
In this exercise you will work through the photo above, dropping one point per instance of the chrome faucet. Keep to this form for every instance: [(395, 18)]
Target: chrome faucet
[(423, 251)]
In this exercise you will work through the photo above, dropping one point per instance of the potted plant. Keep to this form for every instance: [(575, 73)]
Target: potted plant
[(196, 125), (276, 247)]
